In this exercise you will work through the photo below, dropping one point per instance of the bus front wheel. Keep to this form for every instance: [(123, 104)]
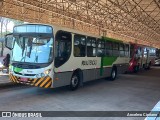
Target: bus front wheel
[(113, 74), (74, 83)]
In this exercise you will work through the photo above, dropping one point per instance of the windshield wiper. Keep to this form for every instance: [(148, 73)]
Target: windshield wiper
[(36, 59), (23, 46)]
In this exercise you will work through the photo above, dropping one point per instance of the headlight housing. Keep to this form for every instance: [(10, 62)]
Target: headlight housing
[(38, 75), (46, 72)]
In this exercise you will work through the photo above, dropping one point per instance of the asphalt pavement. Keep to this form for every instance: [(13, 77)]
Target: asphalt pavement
[(129, 92)]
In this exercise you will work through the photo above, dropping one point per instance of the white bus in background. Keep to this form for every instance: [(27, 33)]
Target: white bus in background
[(51, 56)]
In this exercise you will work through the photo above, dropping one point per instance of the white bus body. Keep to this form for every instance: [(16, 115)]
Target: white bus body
[(74, 57)]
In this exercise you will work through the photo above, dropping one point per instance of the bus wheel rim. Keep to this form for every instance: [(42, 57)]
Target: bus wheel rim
[(74, 81), (113, 74)]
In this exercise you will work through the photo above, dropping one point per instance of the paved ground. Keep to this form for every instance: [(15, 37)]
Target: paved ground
[(130, 92)]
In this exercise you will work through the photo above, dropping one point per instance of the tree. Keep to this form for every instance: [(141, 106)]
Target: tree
[(1, 25), (17, 22), (4, 25)]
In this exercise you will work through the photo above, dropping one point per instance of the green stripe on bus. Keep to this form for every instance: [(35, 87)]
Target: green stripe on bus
[(16, 69), (106, 61)]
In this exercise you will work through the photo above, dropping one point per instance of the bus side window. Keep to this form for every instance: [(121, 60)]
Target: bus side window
[(139, 52), (91, 47), (100, 48), (115, 49), (79, 46), (132, 50), (126, 50), (108, 48), (62, 47), (94, 47), (121, 49)]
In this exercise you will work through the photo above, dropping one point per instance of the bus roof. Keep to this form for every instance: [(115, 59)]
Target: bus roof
[(63, 28)]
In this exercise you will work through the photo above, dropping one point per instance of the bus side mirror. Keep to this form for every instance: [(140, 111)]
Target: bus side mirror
[(9, 41)]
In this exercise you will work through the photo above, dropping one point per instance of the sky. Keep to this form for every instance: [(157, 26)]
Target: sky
[(10, 26)]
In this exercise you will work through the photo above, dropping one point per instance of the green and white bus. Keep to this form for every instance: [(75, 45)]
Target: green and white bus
[(51, 56)]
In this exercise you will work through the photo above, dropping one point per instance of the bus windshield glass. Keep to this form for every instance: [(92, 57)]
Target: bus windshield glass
[(32, 49)]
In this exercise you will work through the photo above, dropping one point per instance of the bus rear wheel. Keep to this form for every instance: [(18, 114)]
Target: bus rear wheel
[(74, 83), (113, 74)]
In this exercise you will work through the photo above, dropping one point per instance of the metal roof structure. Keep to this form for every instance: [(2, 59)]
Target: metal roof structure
[(127, 20)]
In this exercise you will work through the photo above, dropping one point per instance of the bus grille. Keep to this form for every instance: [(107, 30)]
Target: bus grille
[(24, 74)]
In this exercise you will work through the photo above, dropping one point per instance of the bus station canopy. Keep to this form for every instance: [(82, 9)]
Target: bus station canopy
[(128, 20)]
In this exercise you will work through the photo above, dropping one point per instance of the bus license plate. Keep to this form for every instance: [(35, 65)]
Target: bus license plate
[(24, 79)]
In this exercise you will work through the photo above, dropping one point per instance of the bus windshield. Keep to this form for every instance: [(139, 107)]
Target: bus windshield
[(32, 49)]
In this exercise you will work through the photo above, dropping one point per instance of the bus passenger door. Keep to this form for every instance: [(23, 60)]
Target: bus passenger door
[(62, 48)]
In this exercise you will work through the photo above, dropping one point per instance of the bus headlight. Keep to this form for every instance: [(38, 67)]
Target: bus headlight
[(38, 75), (42, 74), (46, 72)]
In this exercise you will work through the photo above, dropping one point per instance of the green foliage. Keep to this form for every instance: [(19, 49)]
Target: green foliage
[(4, 33), (17, 22)]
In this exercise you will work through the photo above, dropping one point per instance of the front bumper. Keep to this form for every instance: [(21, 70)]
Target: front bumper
[(44, 82)]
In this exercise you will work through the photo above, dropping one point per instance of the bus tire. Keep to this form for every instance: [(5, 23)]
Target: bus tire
[(74, 83), (113, 74)]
